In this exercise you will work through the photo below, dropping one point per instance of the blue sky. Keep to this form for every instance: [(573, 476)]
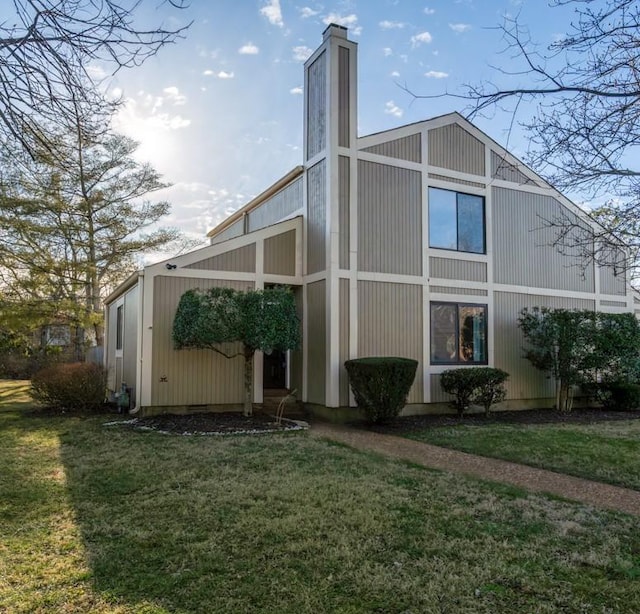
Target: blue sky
[(219, 113)]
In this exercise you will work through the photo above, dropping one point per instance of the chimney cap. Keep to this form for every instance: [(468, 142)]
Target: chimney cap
[(333, 29)]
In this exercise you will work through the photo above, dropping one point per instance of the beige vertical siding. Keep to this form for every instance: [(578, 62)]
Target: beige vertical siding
[(111, 346), (130, 340), (278, 207), (344, 342), (119, 364), (344, 184), (189, 377), (242, 259), (613, 281), (316, 106), (461, 291), (525, 382), (407, 148), (316, 219), (501, 169), (316, 342), (524, 254), (450, 268), (437, 394), (280, 254), (613, 303), (231, 232), (454, 148), (390, 324), (344, 95), (389, 219), (474, 184), (295, 356)]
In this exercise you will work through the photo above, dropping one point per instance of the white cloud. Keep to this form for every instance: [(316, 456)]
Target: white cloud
[(249, 49), (460, 27), (174, 96), (302, 53), (348, 21), (296, 90), (436, 74), (95, 72), (419, 39), (395, 74), (387, 51), (225, 75), (271, 10), (208, 72), (428, 11), (391, 25), (307, 11), (392, 109)]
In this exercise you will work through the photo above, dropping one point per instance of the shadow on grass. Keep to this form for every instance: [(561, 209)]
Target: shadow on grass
[(16, 395)]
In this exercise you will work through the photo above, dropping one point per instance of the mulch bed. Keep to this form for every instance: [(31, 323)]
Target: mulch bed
[(528, 416)]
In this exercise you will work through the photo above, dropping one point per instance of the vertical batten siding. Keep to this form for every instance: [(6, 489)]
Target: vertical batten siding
[(278, 207), (407, 148), (524, 254), (231, 232), (501, 169), (612, 281), (344, 105), (112, 319), (316, 106), (473, 184), (280, 254), (130, 340), (316, 219), (296, 356), (450, 268), (524, 382), (344, 341), (459, 291), (193, 377), (454, 148), (242, 260), (344, 187), (390, 324), (316, 342), (437, 394), (389, 219)]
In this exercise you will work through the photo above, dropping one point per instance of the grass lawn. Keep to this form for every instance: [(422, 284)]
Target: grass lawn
[(104, 519), (606, 451)]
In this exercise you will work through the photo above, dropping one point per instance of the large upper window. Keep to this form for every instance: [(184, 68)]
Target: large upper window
[(456, 221), (458, 334)]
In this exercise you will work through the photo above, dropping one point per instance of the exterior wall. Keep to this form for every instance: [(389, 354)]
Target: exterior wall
[(316, 135), (280, 254), (390, 324), (449, 268), (113, 378), (344, 202), (316, 342), (235, 230), (242, 259), (130, 341), (501, 169), (523, 245), (407, 148), (344, 342), (280, 206), (316, 217), (612, 281), (344, 97), (452, 147), (389, 219), (189, 377), (296, 357)]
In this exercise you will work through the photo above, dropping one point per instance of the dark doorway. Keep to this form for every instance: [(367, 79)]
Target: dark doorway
[(274, 373)]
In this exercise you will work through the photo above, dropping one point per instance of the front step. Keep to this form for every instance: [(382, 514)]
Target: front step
[(271, 400)]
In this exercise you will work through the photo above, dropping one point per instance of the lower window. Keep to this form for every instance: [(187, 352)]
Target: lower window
[(458, 334)]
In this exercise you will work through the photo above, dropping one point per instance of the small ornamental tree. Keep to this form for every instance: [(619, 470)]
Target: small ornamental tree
[(264, 320)]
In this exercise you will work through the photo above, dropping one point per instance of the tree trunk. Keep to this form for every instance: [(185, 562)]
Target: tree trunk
[(248, 382)]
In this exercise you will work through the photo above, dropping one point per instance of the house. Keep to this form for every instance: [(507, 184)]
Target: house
[(423, 241)]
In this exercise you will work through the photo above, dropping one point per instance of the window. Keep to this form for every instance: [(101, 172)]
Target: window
[(119, 327), (456, 221), (458, 334)]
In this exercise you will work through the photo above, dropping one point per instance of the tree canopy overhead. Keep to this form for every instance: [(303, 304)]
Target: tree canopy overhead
[(45, 50)]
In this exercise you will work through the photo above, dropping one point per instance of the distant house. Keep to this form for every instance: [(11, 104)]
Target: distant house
[(423, 241)]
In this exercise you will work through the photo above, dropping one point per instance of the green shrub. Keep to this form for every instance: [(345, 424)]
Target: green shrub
[(381, 384), (481, 385), (73, 386), (620, 395)]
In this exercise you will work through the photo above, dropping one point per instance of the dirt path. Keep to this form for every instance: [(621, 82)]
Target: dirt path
[(529, 478)]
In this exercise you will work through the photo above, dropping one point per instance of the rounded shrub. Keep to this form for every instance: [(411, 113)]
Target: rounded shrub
[(623, 396), (481, 385), (73, 386), (381, 384)]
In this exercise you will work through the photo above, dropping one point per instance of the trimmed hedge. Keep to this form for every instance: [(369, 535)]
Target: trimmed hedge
[(623, 396), (481, 385), (381, 384), (73, 386)]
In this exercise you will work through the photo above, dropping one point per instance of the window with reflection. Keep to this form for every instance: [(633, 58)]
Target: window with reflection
[(458, 334), (456, 221)]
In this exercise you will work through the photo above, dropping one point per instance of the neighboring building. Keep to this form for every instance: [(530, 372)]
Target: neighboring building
[(424, 241)]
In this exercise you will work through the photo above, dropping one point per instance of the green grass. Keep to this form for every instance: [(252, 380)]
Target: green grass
[(607, 451), (104, 519)]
